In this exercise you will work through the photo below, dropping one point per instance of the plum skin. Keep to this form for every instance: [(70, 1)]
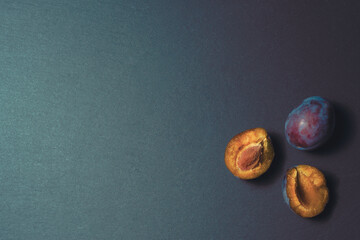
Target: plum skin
[(310, 124), (283, 188)]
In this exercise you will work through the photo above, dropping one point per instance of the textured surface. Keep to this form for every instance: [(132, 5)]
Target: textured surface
[(115, 116)]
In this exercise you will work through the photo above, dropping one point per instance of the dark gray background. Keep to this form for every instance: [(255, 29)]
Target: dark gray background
[(115, 116)]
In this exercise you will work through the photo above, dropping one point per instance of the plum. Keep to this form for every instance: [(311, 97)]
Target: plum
[(310, 124), (249, 154), (305, 191)]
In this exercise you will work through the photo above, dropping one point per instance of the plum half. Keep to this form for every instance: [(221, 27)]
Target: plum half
[(310, 124), (305, 191), (249, 154)]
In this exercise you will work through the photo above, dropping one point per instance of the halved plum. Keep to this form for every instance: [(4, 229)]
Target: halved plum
[(249, 154), (305, 191)]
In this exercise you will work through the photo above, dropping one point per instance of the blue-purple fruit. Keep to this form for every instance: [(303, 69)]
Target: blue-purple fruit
[(311, 124)]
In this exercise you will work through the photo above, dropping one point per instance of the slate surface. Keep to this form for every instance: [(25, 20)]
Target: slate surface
[(115, 116)]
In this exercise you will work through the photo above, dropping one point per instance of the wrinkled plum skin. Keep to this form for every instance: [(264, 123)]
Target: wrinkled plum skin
[(309, 125)]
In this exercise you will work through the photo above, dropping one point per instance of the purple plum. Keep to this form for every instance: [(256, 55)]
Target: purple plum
[(311, 124)]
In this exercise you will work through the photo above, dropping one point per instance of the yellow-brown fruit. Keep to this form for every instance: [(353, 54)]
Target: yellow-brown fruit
[(249, 154), (305, 190)]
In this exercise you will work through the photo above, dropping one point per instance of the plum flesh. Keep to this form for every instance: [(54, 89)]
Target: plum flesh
[(305, 191), (311, 124), (249, 154)]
